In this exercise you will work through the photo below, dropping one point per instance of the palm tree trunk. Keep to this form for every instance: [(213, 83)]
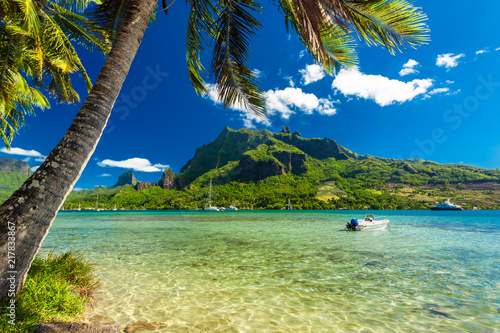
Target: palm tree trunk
[(25, 218)]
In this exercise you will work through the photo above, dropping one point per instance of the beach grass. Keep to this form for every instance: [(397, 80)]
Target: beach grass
[(58, 288)]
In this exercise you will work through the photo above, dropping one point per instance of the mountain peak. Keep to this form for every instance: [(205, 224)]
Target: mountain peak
[(127, 178), (8, 164), (285, 130), (230, 145)]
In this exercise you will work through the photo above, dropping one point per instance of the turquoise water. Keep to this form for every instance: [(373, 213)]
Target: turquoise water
[(291, 271)]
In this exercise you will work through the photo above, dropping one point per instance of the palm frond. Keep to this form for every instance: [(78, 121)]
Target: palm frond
[(201, 22), (389, 23), (109, 14), (30, 13), (325, 27), (17, 99), (36, 44), (76, 6), (328, 41), (80, 29), (237, 85), (339, 47)]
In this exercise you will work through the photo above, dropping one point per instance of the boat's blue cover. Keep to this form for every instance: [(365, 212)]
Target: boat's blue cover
[(355, 222)]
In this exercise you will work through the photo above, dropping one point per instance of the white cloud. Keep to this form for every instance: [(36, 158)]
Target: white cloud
[(248, 117), (287, 101), (78, 189), (23, 152), (450, 82), (136, 164), (382, 90), (454, 92), (438, 91), (409, 68), (482, 51), (162, 166), (448, 60), (291, 83), (283, 103), (35, 168), (311, 74), (257, 72), (497, 49), (302, 54), (105, 175)]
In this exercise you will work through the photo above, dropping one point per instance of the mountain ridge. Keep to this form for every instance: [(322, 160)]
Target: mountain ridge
[(8, 164), (261, 169)]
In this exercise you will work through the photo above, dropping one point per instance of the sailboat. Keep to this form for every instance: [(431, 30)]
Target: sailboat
[(115, 208), (79, 208), (210, 208), (97, 204), (289, 205)]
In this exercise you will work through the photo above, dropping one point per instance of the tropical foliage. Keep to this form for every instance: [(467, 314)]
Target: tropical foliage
[(327, 28), (329, 181), (37, 51), (58, 288), (9, 182)]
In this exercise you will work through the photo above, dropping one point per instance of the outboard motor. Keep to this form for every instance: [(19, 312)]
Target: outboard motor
[(352, 225)]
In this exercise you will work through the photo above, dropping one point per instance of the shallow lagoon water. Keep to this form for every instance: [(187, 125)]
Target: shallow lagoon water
[(291, 271)]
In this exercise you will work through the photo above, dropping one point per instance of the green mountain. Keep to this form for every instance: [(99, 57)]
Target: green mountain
[(13, 165), (127, 178), (260, 169), (13, 173), (233, 145)]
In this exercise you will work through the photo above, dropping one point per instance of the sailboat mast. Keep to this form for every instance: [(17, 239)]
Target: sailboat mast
[(210, 195)]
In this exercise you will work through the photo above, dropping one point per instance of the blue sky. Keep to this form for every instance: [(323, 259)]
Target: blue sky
[(439, 102)]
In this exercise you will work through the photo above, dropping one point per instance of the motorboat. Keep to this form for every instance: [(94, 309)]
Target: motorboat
[(369, 223), (232, 207), (447, 205)]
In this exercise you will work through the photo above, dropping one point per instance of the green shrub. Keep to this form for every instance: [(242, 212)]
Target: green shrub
[(58, 288)]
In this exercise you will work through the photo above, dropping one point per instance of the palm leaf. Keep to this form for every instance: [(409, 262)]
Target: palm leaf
[(390, 23), (36, 44), (201, 22), (237, 85), (339, 47), (80, 29), (110, 14), (329, 42)]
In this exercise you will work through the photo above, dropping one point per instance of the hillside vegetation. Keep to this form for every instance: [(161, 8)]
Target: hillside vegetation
[(13, 173), (258, 169)]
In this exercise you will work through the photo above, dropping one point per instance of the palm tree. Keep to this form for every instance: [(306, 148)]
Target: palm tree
[(324, 26), (36, 44)]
